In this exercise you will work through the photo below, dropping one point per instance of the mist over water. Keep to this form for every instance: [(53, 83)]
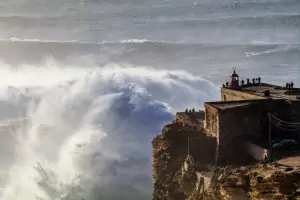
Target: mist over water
[(85, 85)]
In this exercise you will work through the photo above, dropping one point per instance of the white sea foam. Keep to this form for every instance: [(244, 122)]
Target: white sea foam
[(88, 131), (36, 40)]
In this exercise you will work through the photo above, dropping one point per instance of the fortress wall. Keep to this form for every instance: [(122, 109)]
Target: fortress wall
[(233, 125), (295, 111), (236, 123), (211, 119), (233, 95)]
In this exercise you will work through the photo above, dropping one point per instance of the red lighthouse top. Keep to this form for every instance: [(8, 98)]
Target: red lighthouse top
[(234, 74), (234, 83)]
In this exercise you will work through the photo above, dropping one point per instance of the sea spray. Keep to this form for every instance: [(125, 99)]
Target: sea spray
[(88, 130)]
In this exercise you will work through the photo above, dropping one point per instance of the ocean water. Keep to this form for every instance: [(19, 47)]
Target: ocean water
[(86, 84)]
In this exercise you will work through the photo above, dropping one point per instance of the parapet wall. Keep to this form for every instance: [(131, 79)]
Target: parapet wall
[(233, 95)]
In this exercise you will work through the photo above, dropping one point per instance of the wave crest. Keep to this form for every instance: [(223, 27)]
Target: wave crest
[(89, 135)]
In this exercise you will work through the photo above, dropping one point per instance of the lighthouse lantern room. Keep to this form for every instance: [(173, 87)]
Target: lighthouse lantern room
[(234, 83)]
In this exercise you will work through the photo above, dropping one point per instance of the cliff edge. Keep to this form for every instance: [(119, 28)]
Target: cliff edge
[(181, 143), (184, 168)]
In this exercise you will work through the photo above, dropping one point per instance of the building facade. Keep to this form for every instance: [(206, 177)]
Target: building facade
[(242, 114)]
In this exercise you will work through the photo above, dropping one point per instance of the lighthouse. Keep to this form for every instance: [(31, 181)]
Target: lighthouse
[(234, 83)]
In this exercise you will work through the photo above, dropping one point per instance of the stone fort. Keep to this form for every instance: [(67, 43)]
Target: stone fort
[(242, 117)]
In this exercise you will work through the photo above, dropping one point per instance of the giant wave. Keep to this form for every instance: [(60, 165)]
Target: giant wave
[(87, 132)]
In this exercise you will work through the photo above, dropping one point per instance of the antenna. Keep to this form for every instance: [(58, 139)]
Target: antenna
[(270, 140), (234, 68), (188, 146)]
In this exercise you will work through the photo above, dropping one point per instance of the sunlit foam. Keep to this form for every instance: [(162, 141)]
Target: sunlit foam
[(88, 131)]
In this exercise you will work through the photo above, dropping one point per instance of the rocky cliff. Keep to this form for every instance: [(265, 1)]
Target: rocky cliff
[(174, 177), (184, 168), (258, 182)]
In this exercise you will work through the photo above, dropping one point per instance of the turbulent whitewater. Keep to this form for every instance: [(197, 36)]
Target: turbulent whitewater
[(84, 133), (85, 85)]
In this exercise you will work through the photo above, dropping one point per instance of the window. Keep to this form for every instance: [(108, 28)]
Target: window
[(224, 97)]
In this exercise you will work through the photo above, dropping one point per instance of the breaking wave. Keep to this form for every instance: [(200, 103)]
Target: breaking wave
[(273, 49), (38, 46), (135, 42), (87, 132), (288, 20), (32, 40)]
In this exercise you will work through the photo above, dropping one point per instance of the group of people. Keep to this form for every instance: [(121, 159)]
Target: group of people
[(289, 85), (242, 82)]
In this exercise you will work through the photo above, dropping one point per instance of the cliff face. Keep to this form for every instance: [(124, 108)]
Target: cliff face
[(174, 176), (258, 181), (183, 168)]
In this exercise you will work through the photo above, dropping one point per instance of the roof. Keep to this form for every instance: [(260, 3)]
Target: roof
[(234, 74), (276, 92), (227, 105), (223, 105)]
